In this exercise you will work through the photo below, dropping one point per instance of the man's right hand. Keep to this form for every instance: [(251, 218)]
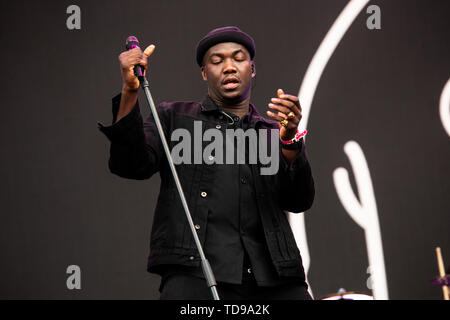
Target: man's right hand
[(130, 83), (129, 59)]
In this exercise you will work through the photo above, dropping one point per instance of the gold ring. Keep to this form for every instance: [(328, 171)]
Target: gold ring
[(284, 123), (291, 115)]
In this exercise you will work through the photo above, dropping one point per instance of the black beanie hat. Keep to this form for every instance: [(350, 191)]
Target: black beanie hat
[(224, 34)]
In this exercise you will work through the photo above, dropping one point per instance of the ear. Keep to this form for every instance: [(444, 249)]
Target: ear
[(253, 69), (205, 78)]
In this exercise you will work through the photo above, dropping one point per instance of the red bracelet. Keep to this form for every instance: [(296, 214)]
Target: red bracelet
[(297, 137)]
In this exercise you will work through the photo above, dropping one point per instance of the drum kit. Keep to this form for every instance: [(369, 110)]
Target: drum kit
[(443, 281), (342, 294)]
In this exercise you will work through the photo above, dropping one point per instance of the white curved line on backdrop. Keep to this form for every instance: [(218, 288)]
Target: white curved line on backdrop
[(444, 107), (364, 213), (306, 95)]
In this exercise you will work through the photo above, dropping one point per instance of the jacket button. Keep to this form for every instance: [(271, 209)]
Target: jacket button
[(191, 258), (249, 270), (218, 126), (236, 119), (211, 158), (204, 194), (243, 180), (197, 226)]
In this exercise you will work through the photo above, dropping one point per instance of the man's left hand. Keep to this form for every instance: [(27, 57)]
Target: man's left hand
[(282, 106)]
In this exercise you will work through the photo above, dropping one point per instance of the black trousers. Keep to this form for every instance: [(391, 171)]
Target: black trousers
[(187, 287)]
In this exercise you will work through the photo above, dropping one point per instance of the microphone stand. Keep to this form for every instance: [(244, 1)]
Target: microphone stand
[(207, 271)]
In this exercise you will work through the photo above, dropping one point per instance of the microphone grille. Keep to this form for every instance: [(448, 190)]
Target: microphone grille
[(132, 39), (131, 43)]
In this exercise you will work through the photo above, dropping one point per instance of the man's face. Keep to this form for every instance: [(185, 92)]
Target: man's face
[(228, 69)]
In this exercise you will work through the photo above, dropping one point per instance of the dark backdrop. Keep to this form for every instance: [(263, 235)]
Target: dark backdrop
[(60, 205)]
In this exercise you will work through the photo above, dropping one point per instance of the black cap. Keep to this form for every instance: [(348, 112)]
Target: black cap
[(224, 34)]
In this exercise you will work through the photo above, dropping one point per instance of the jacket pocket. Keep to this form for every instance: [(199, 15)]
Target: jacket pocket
[(274, 246)]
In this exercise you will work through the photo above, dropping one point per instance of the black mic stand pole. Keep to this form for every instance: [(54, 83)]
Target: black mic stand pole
[(207, 271)]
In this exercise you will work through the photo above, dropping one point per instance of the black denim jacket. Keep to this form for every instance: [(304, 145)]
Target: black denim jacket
[(137, 153)]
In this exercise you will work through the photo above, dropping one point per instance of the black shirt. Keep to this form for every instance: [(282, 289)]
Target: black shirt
[(235, 244)]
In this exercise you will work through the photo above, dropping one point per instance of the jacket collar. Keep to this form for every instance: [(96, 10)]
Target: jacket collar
[(208, 105)]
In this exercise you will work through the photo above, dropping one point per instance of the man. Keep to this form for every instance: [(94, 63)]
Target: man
[(238, 212)]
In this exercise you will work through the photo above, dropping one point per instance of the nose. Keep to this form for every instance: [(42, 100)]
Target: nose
[(229, 66)]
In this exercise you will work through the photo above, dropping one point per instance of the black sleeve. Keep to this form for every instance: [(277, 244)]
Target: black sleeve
[(297, 184), (136, 150)]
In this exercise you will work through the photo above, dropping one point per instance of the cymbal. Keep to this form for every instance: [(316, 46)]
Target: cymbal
[(441, 281), (351, 295)]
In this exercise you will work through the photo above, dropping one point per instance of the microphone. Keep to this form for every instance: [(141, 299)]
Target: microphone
[(131, 43)]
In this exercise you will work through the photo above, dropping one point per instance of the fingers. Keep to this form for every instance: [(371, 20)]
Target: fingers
[(288, 97), (292, 104), (280, 109), (283, 115), (283, 105), (149, 50), (277, 116), (135, 56), (288, 100), (280, 92), (291, 125)]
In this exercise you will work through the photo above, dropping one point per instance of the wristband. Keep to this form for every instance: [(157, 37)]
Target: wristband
[(297, 138)]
